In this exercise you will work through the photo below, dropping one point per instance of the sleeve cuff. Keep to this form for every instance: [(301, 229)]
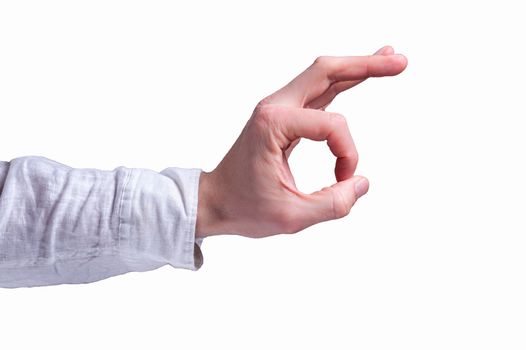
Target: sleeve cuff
[(187, 182), (158, 217)]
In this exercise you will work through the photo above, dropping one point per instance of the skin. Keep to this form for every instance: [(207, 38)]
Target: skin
[(252, 191)]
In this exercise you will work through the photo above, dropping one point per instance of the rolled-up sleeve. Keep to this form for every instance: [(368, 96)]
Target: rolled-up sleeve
[(60, 224)]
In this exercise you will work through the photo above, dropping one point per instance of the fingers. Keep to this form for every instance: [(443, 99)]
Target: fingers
[(344, 72), (386, 50), (318, 125), (322, 101), (328, 70), (336, 201)]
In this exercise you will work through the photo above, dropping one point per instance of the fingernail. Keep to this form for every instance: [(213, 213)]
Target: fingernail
[(399, 56), (361, 187)]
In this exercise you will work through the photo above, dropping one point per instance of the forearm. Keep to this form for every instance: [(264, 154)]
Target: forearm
[(64, 225)]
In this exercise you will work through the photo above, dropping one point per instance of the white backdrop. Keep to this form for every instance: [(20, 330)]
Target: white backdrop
[(433, 257)]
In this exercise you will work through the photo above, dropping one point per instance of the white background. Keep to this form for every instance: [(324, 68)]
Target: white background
[(433, 257)]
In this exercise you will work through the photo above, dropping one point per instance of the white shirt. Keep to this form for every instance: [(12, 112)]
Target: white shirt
[(64, 225)]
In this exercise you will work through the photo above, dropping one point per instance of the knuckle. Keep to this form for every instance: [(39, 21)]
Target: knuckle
[(265, 113), (265, 103), (322, 61), (339, 120)]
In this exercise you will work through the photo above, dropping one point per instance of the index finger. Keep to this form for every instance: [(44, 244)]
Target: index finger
[(327, 70), (319, 126)]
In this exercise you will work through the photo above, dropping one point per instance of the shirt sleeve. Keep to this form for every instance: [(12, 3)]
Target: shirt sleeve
[(60, 224)]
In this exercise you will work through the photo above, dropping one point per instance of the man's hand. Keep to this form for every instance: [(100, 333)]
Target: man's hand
[(252, 191)]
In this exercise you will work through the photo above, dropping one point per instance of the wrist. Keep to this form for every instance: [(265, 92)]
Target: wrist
[(207, 210)]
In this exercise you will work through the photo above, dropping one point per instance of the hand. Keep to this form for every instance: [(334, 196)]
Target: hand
[(252, 191)]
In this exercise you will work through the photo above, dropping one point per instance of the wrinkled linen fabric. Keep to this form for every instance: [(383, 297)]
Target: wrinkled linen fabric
[(60, 224)]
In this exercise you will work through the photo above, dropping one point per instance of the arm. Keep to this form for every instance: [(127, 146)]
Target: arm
[(64, 225)]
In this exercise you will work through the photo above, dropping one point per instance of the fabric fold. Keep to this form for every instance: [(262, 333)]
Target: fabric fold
[(60, 224)]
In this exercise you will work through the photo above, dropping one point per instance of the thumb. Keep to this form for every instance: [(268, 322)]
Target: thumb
[(336, 201)]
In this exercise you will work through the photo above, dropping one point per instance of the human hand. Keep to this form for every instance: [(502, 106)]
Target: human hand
[(252, 191)]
